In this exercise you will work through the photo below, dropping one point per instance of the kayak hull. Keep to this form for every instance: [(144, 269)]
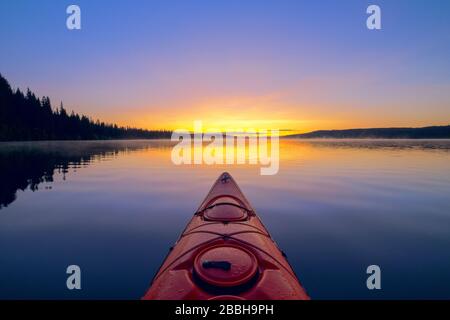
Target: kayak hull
[(225, 253)]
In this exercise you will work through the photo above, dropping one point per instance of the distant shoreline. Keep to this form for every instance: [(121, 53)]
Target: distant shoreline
[(292, 137), (432, 132)]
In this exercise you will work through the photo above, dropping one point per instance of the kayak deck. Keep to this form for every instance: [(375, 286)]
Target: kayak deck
[(225, 252)]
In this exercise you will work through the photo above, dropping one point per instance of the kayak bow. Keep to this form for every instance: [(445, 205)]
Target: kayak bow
[(225, 253)]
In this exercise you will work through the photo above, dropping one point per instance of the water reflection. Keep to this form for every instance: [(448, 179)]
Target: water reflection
[(437, 144), (335, 207), (26, 165)]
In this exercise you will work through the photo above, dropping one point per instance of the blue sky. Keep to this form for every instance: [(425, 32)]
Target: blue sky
[(295, 64)]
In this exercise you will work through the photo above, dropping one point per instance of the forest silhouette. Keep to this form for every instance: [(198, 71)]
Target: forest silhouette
[(24, 117)]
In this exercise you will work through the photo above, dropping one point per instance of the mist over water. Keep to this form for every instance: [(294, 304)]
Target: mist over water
[(115, 207)]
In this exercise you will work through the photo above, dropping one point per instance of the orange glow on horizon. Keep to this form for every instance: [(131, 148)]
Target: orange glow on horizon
[(237, 124), (263, 113)]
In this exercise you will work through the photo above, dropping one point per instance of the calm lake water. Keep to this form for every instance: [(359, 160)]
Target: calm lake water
[(335, 207)]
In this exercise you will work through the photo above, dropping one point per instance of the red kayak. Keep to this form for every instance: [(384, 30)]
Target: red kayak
[(225, 253)]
